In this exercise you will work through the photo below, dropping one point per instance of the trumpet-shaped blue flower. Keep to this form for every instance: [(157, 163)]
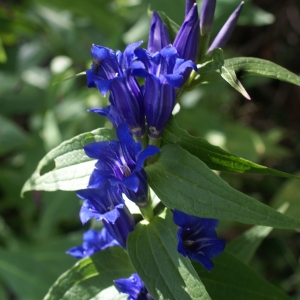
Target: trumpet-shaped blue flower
[(163, 72), (93, 241), (197, 238), (106, 204), (111, 71), (120, 163), (100, 203), (158, 34), (123, 225), (111, 113), (134, 287)]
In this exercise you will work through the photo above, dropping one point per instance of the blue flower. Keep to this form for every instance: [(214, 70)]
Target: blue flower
[(100, 203), (106, 204), (163, 72), (158, 34), (111, 113), (111, 71), (224, 34), (120, 163), (197, 238), (93, 241), (134, 287), (123, 225)]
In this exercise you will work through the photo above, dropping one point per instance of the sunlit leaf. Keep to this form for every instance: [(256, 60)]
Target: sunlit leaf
[(70, 167), (152, 249), (184, 182), (91, 275)]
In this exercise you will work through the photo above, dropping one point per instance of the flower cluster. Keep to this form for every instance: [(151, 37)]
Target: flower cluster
[(137, 113)]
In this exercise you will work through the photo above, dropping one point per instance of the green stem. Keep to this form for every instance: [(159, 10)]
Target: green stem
[(202, 48), (147, 211), (144, 141)]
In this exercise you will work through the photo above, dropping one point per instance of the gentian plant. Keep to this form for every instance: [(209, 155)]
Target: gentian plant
[(171, 249)]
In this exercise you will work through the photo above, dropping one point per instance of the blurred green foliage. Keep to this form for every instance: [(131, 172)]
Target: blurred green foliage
[(43, 43)]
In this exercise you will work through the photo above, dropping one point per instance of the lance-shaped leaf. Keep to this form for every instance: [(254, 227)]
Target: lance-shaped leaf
[(91, 275), (184, 182), (231, 279), (251, 66), (172, 26), (210, 70), (76, 75), (214, 157), (244, 246), (230, 77), (71, 167), (152, 249), (11, 136), (216, 65), (214, 70)]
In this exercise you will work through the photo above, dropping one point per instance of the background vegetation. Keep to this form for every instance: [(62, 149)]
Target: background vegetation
[(43, 42)]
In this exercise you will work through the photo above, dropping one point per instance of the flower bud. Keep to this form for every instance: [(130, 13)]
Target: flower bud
[(158, 34), (207, 16), (224, 34), (188, 6), (186, 41)]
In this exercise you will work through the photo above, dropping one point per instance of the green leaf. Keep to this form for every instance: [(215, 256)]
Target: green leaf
[(231, 279), (288, 192), (210, 71), (20, 271), (3, 57), (214, 69), (76, 75), (32, 269), (91, 275), (230, 77), (246, 245), (250, 66), (72, 168), (152, 249), (214, 157), (11, 136), (2, 292), (184, 182), (172, 26)]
